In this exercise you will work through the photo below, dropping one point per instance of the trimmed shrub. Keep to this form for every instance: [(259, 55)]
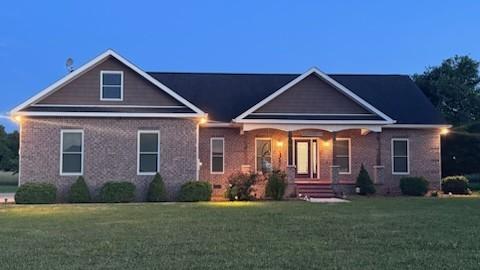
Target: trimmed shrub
[(276, 185), (195, 191), (79, 192), (414, 186), (364, 182), (240, 186), (31, 193), (116, 192), (156, 190), (455, 184)]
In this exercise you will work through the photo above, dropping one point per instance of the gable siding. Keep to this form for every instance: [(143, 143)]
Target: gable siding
[(85, 89), (312, 95)]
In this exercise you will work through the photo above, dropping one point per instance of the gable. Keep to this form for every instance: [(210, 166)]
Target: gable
[(85, 89), (312, 95)]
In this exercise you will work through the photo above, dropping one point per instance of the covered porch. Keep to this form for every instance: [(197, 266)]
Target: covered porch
[(319, 160)]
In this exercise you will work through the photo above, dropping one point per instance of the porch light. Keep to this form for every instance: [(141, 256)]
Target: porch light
[(279, 144), (326, 143), (203, 120), (17, 119), (444, 131)]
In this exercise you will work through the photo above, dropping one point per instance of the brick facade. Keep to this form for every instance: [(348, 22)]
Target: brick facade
[(110, 151), (373, 150)]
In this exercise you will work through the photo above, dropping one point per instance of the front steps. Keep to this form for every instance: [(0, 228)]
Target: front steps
[(314, 189)]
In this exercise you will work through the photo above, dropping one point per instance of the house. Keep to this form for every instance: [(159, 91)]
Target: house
[(110, 120)]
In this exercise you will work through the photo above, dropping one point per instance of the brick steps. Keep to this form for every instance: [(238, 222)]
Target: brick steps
[(315, 190)]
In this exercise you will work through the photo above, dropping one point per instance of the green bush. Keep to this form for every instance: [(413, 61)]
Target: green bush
[(364, 182), (240, 186), (455, 184), (116, 192), (414, 186), (79, 192), (156, 190), (276, 185), (30, 193), (195, 191)]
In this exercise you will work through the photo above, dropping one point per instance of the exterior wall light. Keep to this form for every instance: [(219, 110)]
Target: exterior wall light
[(279, 144), (17, 119), (444, 131), (326, 143), (203, 120)]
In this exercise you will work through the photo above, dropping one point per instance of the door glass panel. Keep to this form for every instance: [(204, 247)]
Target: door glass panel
[(302, 157), (314, 157)]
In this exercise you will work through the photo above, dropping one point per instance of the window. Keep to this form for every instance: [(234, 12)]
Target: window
[(263, 154), (343, 154), (400, 160), (71, 155), (148, 148), (111, 85), (216, 155)]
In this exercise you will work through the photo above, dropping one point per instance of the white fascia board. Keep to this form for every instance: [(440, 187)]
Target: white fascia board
[(327, 78), (50, 89), (109, 114), (419, 126), (331, 122)]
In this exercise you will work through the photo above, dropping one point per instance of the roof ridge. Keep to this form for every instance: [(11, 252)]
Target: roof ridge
[(267, 73)]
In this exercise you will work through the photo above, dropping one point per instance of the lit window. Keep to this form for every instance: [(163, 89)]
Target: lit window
[(111, 85), (216, 155), (400, 162), (148, 146), (342, 155), (71, 159), (263, 152)]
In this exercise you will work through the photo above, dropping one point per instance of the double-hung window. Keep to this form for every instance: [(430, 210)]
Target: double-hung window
[(217, 149), (400, 156), (71, 155), (343, 154), (148, 150), (111, 85), (263, 154)]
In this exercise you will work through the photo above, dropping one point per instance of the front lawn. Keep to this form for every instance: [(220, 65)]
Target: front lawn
[(375, 233)]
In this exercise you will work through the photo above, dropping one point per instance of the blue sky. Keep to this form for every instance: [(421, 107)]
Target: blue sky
[(230, 36)]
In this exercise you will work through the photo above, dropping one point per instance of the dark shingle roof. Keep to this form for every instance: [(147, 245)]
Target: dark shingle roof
[(225, 96)]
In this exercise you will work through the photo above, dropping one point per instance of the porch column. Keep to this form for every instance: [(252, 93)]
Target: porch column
[(290, 149), (334, 168), (291, 188)]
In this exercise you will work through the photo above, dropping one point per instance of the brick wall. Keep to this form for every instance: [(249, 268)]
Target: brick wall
[(110, 151), (240, 150)]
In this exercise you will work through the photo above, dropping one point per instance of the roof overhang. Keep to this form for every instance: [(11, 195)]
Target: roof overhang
[(325, 126), (91, 64), (109, 114)]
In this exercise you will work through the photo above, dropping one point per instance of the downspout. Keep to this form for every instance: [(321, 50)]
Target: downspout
[(197, 156)]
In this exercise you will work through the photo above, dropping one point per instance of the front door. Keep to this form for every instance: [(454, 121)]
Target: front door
[(302, 158), (306, 158)]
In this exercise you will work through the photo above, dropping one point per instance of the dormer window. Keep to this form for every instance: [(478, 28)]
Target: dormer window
[(111, 85)]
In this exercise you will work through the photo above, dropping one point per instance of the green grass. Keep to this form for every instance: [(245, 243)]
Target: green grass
[(8, 182), (375, 233)]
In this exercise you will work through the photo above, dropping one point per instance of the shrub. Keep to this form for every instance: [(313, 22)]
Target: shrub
[(115, 192), (79, 192), (276, 185), (156, 190), (364, 182), (413, 186), (240, 186), (30, 193), (455, 185), (195, 191)]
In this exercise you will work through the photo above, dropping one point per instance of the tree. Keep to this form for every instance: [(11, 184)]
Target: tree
[(453, 88), (8, 150), (364, 182)]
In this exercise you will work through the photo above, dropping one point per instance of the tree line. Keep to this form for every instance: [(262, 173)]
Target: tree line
[(452, 87)]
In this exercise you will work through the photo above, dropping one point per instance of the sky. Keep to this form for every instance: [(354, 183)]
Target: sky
[(381, 37)]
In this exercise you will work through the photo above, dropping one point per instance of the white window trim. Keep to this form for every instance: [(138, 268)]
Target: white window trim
[(211, 154), (61, 151), (121, 85), (349, 154), (393, 156), (138, 151), (271, 150)]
